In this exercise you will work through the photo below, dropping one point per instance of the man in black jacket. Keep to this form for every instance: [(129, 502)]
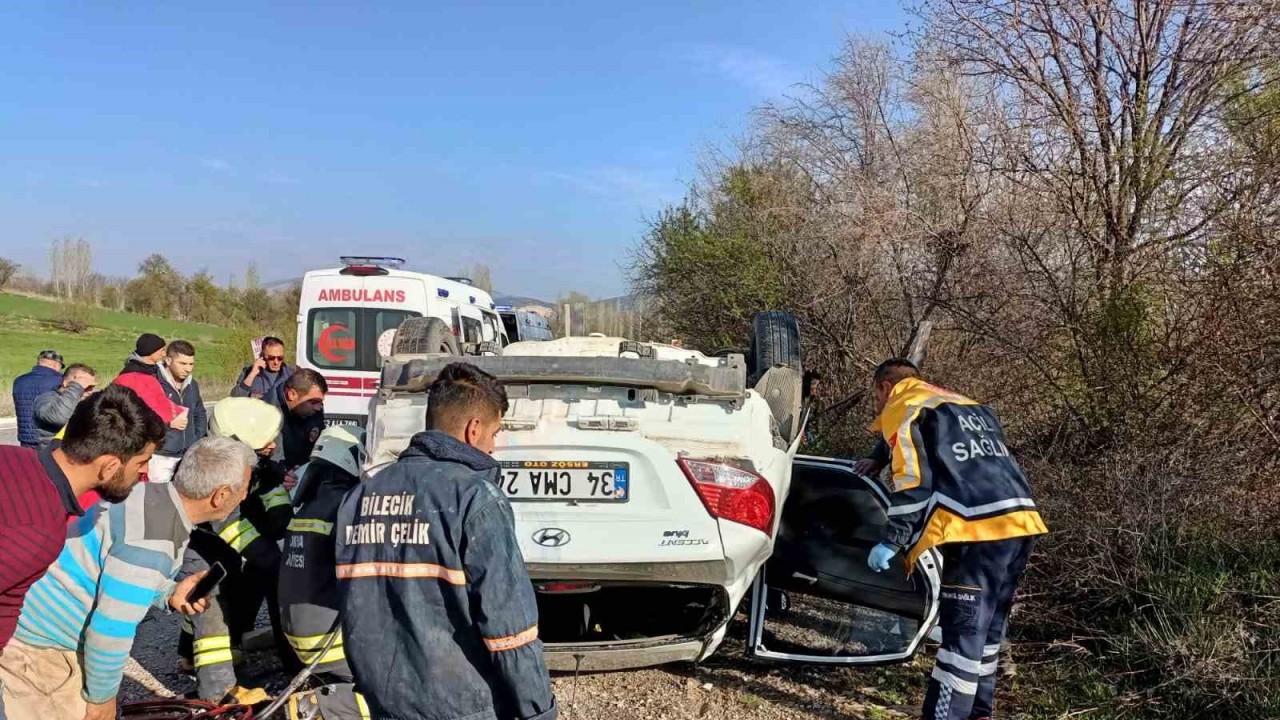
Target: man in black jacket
[(45, 376), (301, 399), (178, 383), (148, 351), (439, 618)]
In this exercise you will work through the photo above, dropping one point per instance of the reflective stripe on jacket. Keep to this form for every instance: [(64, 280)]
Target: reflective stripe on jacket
[(264, 513), (954, 479), (308, 587), (438, 613)]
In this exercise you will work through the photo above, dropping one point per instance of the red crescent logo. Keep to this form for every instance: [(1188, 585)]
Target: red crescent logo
[(336, 344)]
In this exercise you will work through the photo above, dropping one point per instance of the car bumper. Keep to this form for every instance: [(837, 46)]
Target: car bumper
[(648, 651), (597, 658)]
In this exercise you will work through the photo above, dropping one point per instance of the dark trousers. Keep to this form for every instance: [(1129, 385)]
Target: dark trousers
[(212, 636), (978, 582), (338, 700)]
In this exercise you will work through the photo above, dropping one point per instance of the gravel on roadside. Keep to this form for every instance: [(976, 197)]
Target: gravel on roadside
[(728, 685)]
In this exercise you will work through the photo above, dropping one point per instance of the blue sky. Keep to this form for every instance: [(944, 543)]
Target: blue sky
[(536, 138)]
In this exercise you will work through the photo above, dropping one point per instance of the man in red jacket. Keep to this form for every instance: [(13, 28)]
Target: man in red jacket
[(107, 445)]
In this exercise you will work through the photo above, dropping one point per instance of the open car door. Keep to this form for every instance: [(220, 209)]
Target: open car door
[(816, 600)]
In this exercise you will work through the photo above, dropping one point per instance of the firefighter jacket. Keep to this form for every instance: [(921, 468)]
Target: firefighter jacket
[(954, 479), (438, 613), (308, 589), (265, 512)]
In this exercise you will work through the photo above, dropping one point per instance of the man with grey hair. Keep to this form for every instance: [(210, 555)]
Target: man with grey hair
[(73, 638)]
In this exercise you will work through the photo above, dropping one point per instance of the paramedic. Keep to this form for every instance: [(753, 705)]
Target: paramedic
[(955, 487)]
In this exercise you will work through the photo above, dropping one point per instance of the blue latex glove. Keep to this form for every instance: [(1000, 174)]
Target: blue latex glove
[(880, 555)]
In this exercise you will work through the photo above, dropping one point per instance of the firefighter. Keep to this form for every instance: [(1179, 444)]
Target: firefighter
[(438, 614), (308, 588), (301, 398), (246, 545), (956, 487)]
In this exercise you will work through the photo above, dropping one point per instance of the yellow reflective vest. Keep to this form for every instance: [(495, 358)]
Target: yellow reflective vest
[(954, 479)]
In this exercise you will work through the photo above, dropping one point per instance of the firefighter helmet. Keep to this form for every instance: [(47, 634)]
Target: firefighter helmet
[(342, 445), (252, 422)]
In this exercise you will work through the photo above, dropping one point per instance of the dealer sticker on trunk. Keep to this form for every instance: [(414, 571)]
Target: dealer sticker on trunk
[(565, 480)]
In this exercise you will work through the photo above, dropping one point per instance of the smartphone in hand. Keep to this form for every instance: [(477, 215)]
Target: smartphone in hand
[(217, 573)]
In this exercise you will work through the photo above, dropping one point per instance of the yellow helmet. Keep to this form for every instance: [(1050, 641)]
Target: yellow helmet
[(252, 422)]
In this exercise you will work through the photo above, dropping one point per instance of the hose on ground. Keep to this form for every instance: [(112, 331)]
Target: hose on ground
[(201, 710), (301, 677), (184, 710)]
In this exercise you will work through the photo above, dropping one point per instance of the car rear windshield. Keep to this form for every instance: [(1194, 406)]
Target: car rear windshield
[(341, 338)]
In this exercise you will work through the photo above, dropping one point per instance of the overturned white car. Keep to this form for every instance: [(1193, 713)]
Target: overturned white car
[(655, 488)]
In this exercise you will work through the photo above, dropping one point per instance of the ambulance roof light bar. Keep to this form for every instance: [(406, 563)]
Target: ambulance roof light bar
[(387, 263), (361, 266)]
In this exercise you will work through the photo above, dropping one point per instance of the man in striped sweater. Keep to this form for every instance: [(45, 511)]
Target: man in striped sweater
[(67, 657), (109, 439)]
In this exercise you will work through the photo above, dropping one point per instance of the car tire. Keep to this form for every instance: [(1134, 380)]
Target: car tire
[(425, 336), (775, 340)]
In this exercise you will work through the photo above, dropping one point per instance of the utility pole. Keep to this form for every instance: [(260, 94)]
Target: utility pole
[(568, 320)]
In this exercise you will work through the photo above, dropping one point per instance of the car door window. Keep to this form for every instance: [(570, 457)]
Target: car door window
[(816, 600), (471, 330), (489, 330)]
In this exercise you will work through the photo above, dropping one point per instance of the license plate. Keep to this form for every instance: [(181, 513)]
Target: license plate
[(561, 480)]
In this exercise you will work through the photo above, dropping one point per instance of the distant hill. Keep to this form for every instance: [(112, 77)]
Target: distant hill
[(283, 284), (621, 303), (624, 303)]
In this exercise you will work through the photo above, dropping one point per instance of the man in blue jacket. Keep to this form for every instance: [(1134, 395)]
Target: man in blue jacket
[(438, 614), (266, 375), (45, 377)]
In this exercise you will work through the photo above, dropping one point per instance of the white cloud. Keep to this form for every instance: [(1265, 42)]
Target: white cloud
[(756, 71), (216, 164)]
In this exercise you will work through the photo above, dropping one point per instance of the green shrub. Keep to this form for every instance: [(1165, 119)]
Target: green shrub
[(72, 317)]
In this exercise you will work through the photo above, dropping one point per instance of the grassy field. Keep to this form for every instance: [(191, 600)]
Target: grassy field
[(29, 325)]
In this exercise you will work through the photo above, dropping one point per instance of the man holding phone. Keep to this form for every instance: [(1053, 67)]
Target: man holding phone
[(192, 424), (67, 657), (267, 373)]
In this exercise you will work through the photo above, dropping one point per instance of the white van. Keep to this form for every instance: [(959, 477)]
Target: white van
[(525, 326), (347, 321)]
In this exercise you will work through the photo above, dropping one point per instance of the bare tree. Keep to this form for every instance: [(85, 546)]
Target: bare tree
[(482, 277), (1112, 152), (71, 268)]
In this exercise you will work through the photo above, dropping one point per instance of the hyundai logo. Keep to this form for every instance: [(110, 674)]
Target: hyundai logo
[(551, 537)]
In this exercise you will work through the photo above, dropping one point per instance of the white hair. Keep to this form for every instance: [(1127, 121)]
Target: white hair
[(212, 463)]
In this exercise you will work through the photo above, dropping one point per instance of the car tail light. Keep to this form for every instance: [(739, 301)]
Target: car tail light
[(732, 493)]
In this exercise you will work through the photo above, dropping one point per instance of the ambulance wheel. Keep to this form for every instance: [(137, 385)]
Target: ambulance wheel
[(775, 340), (425, 336)]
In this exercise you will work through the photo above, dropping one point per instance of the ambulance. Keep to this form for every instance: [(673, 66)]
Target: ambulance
[(347, 321)]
